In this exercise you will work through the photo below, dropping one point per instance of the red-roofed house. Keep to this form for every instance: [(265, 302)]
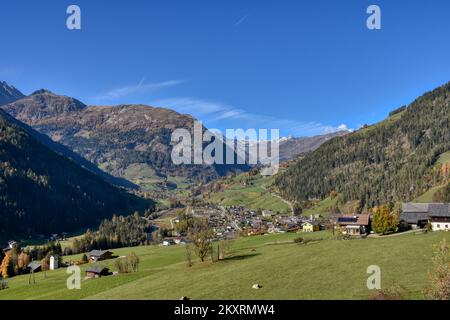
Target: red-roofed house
[(354, 225)]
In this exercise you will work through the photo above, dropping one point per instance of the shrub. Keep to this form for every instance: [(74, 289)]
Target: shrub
[(133, 261), (392, 293), (439, 288), (3, 284), (122, 265), (298, 240)]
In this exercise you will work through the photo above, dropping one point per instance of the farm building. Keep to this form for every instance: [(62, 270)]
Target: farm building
[(310, 226), (34, 266), (96, 272), (354, 225), (416, 215), (98, 255)]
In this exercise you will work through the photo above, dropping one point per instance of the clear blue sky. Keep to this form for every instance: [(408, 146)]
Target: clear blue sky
[(302, 66)]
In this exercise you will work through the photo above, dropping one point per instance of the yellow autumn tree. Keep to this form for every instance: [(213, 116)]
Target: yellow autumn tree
[(384, 220), (7, 267), (23, 261)]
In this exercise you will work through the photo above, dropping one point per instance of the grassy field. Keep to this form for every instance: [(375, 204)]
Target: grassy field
[(324, 269), (428, 196), (323, 207), (444, 158), (254, 196)]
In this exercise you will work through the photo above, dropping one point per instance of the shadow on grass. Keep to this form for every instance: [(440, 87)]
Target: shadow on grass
[(241, 257)]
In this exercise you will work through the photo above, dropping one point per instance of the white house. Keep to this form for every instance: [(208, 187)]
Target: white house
[(440, 223), (267, 213)]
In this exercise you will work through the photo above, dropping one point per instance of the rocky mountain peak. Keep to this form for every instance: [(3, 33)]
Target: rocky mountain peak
[(9, 93)]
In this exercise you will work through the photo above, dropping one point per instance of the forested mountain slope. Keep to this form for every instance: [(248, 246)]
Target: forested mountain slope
[(394, 160), (42, 191)]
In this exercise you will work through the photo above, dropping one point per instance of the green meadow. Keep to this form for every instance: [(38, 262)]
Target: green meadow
[(321, 269), (256, 195)]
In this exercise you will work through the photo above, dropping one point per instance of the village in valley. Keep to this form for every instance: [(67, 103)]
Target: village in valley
[(234, 222)]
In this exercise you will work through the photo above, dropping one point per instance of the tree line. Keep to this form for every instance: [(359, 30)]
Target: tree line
[(113, 233)]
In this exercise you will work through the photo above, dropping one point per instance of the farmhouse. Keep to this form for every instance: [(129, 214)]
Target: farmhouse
[(34, 266), (416, 215), (98, 255), (310, 226), (96, 272), (440, 223), (354, 225)]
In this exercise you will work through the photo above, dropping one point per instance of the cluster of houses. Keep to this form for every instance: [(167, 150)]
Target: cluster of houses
[(233, 220), (413, 216), (94, 271)]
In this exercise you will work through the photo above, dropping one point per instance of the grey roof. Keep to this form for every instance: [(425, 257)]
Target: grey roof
[(96, 269), (34, 265), (415, 212), (97, 253)]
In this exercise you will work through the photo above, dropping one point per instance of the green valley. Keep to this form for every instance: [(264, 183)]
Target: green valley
[(322, 269)]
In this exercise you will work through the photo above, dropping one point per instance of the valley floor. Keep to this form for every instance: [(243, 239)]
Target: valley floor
[(323, 269)]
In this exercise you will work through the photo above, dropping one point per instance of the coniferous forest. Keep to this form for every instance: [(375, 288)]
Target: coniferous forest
[(43, 192), (395, 160)]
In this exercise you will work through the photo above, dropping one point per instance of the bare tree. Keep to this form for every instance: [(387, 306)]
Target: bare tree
[(202, 237), (189, 255), (133, 260)]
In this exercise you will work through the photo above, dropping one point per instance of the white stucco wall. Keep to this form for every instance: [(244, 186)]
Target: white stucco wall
[(440, 226)]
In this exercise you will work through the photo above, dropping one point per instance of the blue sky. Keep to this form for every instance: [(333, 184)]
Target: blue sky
[(305, 67)]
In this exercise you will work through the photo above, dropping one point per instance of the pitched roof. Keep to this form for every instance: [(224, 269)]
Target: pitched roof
[(97, 253), (414, 212), (356, 219), (96, 269), (34, 265)]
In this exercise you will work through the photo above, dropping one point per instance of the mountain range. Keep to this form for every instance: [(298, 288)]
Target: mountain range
[(125, 141), (293, 147), (74, 160), (8, 93), (128, 141)]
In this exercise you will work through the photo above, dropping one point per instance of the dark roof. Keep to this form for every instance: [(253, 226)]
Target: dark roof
[(415, 212), (97, 269), (356, 220), (97, 253), (440, 219)]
